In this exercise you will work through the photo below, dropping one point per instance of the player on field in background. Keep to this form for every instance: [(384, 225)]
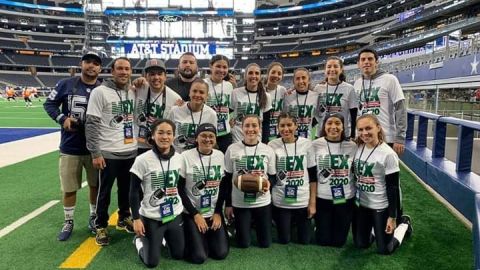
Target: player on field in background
[(67, 105), (380, 94), (186, 73), (110, 140), (26, 93)]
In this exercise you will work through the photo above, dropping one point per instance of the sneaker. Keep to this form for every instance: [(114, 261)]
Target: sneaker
[(125, 224), (101, 237), (91, 223), (66, 231), (407, 220)]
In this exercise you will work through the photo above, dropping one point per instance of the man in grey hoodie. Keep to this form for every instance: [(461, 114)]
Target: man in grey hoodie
[(380, 94), (109, 133)]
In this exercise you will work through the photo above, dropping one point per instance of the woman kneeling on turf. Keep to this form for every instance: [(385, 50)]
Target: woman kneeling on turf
[(293, 194), (157, 173), (335, 188), (376, 171), (205, 232)]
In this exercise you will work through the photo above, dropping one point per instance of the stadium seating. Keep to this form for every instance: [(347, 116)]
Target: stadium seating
[(19, 79)]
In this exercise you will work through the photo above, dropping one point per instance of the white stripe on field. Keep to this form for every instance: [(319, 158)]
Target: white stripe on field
[(27, 218)]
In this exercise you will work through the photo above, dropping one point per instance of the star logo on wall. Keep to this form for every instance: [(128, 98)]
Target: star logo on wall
[(474, 65), (413, 75)]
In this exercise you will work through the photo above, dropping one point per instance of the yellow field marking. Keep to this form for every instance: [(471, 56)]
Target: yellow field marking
[(87, 251)]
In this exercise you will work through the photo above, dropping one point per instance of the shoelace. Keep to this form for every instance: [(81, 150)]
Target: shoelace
[(68, 226)]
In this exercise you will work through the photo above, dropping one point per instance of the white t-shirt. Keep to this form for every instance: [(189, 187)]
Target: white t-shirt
[(159, 104), (292, 162), (336, 157), (303, 106), (219, 99), (212, 166), (370, 168), (377, 97), (277, 95), (245, 103), (115, 108), (159, 184), (186, 123), (336, 99), (257, 159)]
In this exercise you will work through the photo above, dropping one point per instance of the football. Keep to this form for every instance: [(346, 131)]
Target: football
[(251, 183)]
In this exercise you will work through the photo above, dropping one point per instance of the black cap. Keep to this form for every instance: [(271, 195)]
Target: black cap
[(205, 127), (336, 115), (92, 55)]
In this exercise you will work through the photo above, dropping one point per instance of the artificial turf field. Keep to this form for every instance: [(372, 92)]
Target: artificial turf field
[(439, 240)]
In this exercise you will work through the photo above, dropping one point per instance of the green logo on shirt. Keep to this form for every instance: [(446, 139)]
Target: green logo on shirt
[(168, 179)]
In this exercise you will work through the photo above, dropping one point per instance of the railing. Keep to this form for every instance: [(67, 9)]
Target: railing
[(453, 180)]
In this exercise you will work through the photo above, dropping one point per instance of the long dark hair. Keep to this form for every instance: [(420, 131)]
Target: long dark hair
[(261, 92), (273, 64)]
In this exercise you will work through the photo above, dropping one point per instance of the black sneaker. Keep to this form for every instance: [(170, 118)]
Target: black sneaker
[(102, 238), (125, 224), (91, 223), (66, 231), (408, 220)]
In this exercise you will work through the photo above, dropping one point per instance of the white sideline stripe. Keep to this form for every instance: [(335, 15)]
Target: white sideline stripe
[(21, 150), (439, 197), (27, 218)]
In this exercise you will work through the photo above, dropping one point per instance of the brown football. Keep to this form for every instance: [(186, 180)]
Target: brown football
[(250, 183)]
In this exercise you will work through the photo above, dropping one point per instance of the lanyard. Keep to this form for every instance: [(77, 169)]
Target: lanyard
[(330, 153), (205, 175), (163, 171), (295, 153), (164, 101), (121, 101), (254, 152), (249, 101), (219, 102), (334, 92), (361, 153), (365, 95), (191, 116), (298, 105)]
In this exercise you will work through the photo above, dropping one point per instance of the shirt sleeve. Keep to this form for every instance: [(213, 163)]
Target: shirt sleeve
[(139, 168), (96, 103), (228, 161), (272, 167), (391, 163), (395, 90)]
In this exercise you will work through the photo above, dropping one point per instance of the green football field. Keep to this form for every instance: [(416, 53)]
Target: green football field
[(439, 240)]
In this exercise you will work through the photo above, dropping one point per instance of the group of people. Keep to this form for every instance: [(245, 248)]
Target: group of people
[(177, 148), (28, 93)]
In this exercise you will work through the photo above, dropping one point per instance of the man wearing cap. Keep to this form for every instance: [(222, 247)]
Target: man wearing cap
[(186, 74), (67, 105), (110, 140), (152, 101)]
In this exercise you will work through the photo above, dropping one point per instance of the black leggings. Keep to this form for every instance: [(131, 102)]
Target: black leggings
[(223, 142), (332, 222), (152, 242), (262, 217), (116, 169), (198, 246), (363, 221), (284, 218)]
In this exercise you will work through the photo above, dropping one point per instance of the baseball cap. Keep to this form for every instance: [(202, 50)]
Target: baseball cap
[(205, 127), (92, 55), (154, 63)]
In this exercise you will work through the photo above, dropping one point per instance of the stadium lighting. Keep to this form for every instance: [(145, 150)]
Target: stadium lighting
[(290, 27), (275, 28)]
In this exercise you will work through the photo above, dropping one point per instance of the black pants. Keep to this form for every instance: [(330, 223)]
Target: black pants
[(199, 246), (155, 231), (115, 169), (332, 222), (363, 221), (262, 217), (284, 218), (223, 142)]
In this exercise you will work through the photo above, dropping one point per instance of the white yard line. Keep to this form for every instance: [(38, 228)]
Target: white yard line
[(27, 218), (21, 150)]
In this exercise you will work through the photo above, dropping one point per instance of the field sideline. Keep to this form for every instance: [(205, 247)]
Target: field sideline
[(439, 241)]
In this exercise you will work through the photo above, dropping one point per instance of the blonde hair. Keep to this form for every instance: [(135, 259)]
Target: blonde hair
[(381, 133)]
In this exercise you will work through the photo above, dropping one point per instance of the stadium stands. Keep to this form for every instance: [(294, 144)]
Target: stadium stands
[(19, 79)]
